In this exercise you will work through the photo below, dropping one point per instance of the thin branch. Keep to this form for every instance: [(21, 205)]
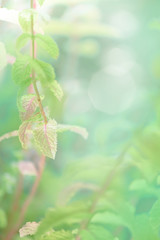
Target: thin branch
[(103, 189), (9, 135), (26, 204), (16, 202)]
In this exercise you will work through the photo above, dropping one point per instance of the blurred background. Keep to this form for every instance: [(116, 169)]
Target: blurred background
[(109, 69)]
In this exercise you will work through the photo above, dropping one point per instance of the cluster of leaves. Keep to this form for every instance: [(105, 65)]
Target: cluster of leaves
[(44, 133)]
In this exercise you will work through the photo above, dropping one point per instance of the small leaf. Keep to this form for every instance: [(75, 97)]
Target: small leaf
[(22, 40), (29, 104), (23, 136), (41, 2), (21, 71), (44, 71), (3, 56), (48, 44), (45, 137), (56, 89), (29, 228), (25, 19), (81, 131)]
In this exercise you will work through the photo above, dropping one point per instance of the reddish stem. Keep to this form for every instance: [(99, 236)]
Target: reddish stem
[(26, 204)]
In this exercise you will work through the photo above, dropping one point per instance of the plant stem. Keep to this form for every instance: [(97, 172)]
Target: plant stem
[(9, 135), (26, 204), (16, 201), (102, 190), (33, 5)]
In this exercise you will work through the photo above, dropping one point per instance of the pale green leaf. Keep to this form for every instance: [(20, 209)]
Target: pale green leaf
[(95, 232), (48, 44), (57, 235), (155, 216), (3, 56), (45, 137), (44, 71), (41, 2), (25, 19), (21, 71), (68, 215), (142, 229), (79, 130), (22, 40), (56, 89)]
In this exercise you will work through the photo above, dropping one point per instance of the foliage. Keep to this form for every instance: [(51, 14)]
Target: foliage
[(113, 192)]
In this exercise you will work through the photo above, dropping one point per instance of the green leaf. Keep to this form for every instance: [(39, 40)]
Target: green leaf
[(41, 2), (68, 215), (81, 131), (3, 56), (3, 219), (22, 40), (46, 75), (25, 19), (57, 235), (23, 135), (48, 44), (155, 216), (44, 72), (45, 137), (29, 104), (95, 232), (142, 229), (21, 71), (56, 89)]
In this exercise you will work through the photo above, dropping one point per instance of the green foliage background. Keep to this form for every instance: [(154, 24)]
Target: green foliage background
[(109, 69)]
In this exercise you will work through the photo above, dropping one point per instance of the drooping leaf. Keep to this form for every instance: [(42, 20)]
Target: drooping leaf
[(25, 19), (56, 89), (155, 216), (3, 218), (29, 104), (57, 235), (45, 137), (81, 131), (68, 215), (21, 71), (48, 44), (22, 40), (29, 228), (3, 56), (23, 135), (41, 1), (44, 71)]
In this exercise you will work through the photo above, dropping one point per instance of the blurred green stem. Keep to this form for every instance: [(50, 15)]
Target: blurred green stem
[(103, 189)]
